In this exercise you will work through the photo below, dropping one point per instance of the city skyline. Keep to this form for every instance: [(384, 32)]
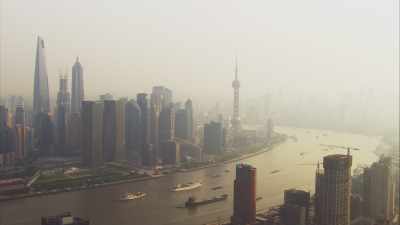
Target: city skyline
[(199, 112), (262, 59)]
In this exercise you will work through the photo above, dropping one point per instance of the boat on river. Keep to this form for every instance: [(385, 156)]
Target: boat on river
[(186, 187), (192, 202), (275, 171), (216, 188), (132, 196)]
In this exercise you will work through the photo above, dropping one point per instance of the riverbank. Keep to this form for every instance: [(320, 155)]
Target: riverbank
[(282, 138), (101, 208), (239, 158)]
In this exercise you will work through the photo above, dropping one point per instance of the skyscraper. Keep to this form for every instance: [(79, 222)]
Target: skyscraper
[(120, 129), (181, 126), (213, 138), (379, 190), (155, 109), (167, 123), (184, 122), (20, 141), (3, 116), (7, 139), (92, 133), (190, 121), (77, 87), (63, 96), (146, 150), (62, 112), (41, 102), (295, 210), (236, 115), (20, 115), (44, 134), (170, 152), (109, 130), (74, 132), (244, 199), (164, 95), (161, 98), (133, 129), (332, 191)]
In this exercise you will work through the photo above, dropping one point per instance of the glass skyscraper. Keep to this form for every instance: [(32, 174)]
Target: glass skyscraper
[(41, 103)]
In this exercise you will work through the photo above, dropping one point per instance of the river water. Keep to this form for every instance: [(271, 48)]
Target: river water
[(160, 206)]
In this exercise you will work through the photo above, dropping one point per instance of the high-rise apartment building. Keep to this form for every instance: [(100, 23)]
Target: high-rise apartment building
[(333, 191), (244, 199)]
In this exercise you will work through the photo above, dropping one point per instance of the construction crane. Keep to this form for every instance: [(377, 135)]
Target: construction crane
[(342, 147)]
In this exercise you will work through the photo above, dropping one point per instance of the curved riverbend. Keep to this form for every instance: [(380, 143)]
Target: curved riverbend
[(161, 206)]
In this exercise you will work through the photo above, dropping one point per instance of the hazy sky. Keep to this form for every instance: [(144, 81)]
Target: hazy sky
[(129, 46)]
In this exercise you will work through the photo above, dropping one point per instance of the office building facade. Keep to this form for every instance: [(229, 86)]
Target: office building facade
[(333, 191), (213, 138), (78, 94), (379, 190), (244, 199), (92, 133)]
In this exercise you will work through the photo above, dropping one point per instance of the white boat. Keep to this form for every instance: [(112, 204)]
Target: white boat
[(131, 196), (187, 186)]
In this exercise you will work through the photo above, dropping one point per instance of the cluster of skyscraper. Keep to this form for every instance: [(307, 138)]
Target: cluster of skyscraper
[(58, 133), (144, 129), (149, 131), (334, 203), (24, 131)]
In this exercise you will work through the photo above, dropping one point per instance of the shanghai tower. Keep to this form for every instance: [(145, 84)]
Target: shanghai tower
[(77, 87), (41, 103)]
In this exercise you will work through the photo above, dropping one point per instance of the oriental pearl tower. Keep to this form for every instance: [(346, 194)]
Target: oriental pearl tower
[(235, 117)]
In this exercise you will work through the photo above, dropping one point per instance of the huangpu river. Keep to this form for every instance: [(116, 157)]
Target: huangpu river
[(295, 160)]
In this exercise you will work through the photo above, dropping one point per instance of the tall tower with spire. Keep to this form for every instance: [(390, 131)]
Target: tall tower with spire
[(77, 87), (236, 116), (41, 102)]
